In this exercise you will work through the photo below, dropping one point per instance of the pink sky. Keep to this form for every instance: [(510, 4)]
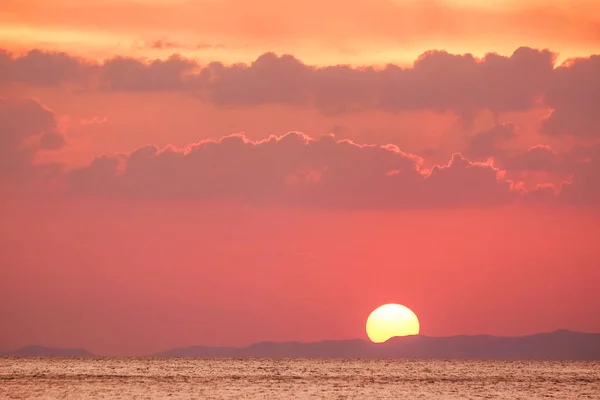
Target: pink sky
[(284, 179)]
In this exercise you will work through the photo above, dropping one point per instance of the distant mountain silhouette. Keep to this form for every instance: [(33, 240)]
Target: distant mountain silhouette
[(557, 345), (41, 351)]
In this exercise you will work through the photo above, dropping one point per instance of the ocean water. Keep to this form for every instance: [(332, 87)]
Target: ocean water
[(147, 378)]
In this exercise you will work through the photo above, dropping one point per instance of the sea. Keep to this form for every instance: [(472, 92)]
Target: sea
[(222, 378)]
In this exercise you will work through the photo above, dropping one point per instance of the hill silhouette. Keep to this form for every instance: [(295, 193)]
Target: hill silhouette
[(557, 345)]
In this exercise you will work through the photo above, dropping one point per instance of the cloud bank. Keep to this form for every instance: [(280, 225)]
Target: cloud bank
[(294, 169), (438, 81)]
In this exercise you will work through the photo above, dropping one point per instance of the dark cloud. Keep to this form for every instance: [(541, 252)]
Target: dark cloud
[(466, 183), (584, 189), (128, 74), (26, 126), (294, 169), (6, 65), (52, 141), (164, 44), (581, 164), (537, 158), (268, 80), (543, 158), (574, 95), (541, 194), (489, 143), (44, 68), (461, 83), (437, 81)]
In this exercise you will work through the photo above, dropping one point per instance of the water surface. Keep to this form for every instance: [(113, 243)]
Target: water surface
[(154, 378)]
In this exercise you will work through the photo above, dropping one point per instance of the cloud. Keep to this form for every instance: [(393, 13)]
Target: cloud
[(166, 44), (163, 44), (541, 194), (437, 81), (584, 188), (466, 183), (44, 68), (544, 158), (574, 95), (581, 164), (128, 74), (488, 143), (27, 127), (293, 169), (52, 141), (537, 158)]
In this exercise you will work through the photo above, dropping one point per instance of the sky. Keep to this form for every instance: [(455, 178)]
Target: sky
[(224, 172)]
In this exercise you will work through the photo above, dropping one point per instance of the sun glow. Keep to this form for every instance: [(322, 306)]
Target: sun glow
[(390, 320)]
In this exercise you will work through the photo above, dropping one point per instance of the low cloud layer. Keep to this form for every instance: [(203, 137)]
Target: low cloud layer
[(294, 169), (26, 127), (438, 81), (297, 170), (490, 143)]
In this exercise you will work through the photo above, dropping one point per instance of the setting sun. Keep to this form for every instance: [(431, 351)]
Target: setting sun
[(390, 320)]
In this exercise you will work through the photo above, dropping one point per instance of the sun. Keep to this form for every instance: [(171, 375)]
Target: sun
[(390, 320)]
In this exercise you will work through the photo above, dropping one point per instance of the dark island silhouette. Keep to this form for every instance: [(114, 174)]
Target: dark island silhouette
[(557, 345)]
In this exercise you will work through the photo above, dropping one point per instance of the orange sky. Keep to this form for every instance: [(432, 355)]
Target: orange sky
[(149, 200), (139, 278), (317, 31)]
